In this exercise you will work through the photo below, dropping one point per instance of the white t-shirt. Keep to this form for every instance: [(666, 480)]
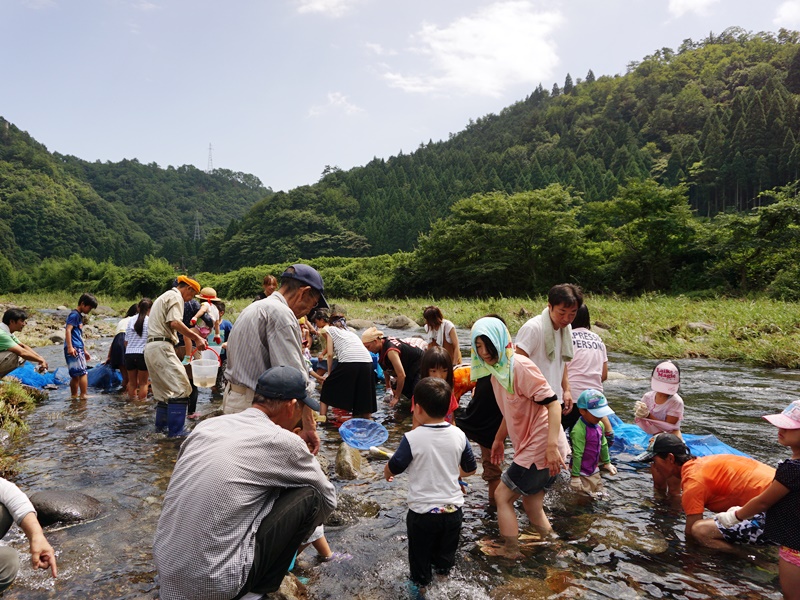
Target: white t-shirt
[(585, 370), (441, 334), (530, 338)]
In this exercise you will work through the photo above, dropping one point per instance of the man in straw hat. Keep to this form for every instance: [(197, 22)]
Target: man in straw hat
[(267, 334), (171, 385)]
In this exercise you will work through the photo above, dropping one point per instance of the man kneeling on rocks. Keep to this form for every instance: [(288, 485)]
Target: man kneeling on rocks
[(245, 493)]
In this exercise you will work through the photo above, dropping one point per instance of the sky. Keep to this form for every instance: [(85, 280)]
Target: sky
[(283, 88)]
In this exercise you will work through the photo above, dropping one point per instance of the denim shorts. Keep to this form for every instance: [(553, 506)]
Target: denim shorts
[(76, 364), (526, 481), (749, 531)]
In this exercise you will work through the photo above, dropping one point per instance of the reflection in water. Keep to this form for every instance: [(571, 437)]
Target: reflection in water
[(622, 546)]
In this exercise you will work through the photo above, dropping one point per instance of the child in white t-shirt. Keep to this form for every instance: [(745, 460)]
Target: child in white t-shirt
[(435, 455), (661, 409)]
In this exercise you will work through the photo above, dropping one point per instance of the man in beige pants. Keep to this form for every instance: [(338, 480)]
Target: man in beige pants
[(171, 386)]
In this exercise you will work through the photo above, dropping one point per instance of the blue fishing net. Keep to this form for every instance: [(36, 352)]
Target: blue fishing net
[(363, 433)]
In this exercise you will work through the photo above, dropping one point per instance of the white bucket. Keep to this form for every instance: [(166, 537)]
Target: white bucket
[(204, 372)]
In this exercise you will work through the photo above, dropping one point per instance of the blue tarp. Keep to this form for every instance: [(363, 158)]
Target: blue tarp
[(27, 374), (631, 439), (104, 377)]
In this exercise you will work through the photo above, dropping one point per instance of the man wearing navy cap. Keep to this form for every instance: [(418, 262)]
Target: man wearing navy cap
[(267, 334), (245, 493)]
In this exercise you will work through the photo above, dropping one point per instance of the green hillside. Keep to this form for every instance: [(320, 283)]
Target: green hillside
[(721, 115), (55, 206)]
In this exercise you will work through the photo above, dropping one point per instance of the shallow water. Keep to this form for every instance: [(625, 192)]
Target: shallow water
[(624, 546)]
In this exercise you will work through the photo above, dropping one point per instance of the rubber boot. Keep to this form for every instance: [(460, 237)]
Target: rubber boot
[(192, 400), (176, 418), (161, 417)]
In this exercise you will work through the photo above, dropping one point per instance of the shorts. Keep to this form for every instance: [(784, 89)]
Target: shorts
[(749, 531), (526, 481), (76, 364), (135, 362), (204, 331), (317, 534), (790, 555)]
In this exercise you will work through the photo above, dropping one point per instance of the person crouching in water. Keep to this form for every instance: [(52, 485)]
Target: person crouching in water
[(531, 417)]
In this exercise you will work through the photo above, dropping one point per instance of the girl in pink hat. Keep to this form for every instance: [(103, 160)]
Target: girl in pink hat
[(661, 409), (781, 501)]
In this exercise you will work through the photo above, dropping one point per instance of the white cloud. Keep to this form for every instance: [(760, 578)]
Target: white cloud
[(337, 103), (500, 45), (145, 6), (678, 8), (331, 8), (788, 14), (379, 50)]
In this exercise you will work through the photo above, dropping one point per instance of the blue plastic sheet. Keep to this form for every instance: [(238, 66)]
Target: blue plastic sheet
[(633, 440), (28, 375), (104, 377), (363, 433)]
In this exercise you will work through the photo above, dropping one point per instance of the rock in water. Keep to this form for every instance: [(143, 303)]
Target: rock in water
[(64, 507), (402, 322), (348, 462)]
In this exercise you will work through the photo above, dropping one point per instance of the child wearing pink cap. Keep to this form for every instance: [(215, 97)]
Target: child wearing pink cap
[(781, 501), (661, 409)]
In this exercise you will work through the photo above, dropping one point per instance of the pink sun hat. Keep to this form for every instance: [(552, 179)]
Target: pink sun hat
[(788, 419)]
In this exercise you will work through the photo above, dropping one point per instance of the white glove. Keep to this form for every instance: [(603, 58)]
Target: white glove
[(612, 470), (728, 518), (640, 410), (576, 484)]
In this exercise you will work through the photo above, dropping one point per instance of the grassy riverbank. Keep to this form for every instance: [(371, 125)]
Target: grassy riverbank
[(758, 331)]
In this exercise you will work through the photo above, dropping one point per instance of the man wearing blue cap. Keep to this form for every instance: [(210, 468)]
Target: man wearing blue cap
[(245, 493), (267, 334)]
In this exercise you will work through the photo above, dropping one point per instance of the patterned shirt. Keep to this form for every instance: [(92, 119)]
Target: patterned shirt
[(229, 473)]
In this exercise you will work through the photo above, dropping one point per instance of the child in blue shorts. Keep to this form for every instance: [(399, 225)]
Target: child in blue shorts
[(74, 351)]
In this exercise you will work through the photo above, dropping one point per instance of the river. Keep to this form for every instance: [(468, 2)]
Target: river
[(623, 546)]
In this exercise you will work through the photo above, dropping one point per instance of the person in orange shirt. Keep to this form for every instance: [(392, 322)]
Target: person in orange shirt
[(716, 483)]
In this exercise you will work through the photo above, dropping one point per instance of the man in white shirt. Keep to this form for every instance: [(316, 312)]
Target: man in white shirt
[(547, 339)]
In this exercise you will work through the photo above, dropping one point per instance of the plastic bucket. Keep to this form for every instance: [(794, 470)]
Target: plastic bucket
[(204, 372)]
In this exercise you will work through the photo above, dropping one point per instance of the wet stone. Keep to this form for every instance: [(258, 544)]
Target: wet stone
[(64, 507), (348, 462), (402, 322), (349, 509)]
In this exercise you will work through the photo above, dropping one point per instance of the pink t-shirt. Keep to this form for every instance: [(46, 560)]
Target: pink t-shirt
[(585, 370), (527, 421), (673, 407)]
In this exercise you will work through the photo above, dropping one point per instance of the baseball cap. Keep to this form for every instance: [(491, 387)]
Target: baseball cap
[(309, 276), (663, 443), (595, 402), (666, 378), (788, 419), (285, 383)]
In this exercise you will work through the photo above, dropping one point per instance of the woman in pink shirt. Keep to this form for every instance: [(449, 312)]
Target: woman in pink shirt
[(531, 417)]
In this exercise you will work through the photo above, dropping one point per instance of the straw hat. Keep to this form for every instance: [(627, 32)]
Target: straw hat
[(209, 294)]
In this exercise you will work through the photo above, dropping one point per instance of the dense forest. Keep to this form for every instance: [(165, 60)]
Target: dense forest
[(721, 116), (680, 175), (55, 206)]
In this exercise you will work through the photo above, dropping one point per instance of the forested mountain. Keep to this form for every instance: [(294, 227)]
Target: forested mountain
[(721, 115), (55, 206)]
